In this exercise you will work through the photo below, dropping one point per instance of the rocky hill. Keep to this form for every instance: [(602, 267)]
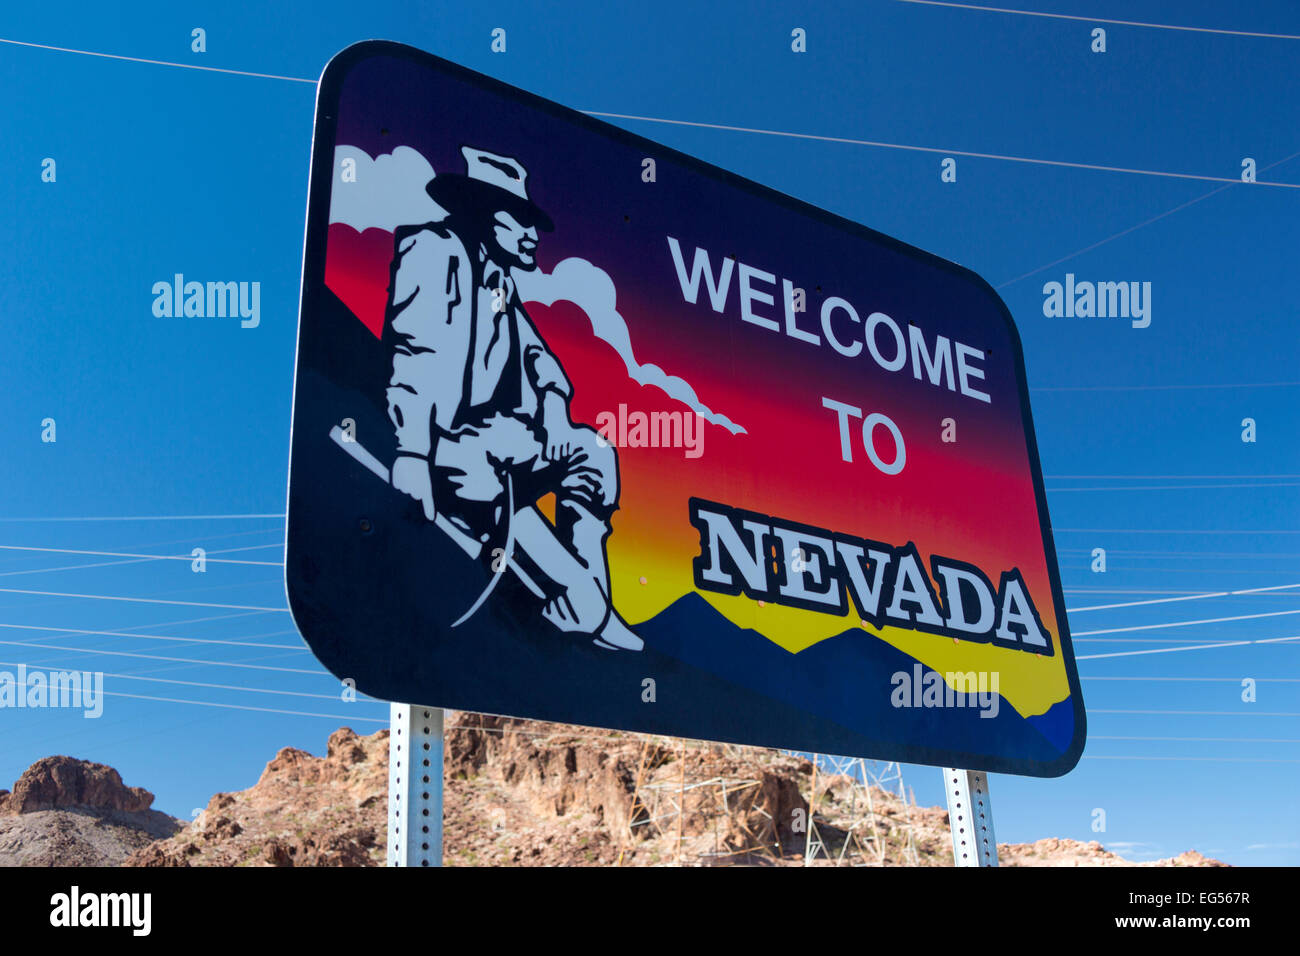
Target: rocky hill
[(527, 793), (69, 812), (303, 811)]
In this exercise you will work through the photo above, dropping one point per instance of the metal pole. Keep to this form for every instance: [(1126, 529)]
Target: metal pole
[(970, 817), (415, 786)]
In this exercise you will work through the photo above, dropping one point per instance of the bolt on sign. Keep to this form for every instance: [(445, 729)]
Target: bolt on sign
[(587, 430)]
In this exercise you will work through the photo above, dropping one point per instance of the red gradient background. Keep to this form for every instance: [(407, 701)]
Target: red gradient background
[(972, 499)]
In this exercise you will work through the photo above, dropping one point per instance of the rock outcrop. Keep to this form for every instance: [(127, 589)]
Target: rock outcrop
[(303, 811), (59, 782), (1054, 851), (68, 812), (520, 792)]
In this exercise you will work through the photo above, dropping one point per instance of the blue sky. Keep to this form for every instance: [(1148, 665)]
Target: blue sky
[(162, 169)]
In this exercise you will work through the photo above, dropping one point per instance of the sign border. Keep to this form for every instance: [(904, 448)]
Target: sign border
[(315, 241)]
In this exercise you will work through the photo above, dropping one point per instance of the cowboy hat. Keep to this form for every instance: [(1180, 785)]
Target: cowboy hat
[(491, 182)]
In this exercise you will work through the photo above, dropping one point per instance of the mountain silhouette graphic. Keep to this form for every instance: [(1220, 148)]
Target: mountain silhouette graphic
[(846, 679)]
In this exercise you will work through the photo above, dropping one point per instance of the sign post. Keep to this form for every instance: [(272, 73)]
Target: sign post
[(970, 817), (415, 785)]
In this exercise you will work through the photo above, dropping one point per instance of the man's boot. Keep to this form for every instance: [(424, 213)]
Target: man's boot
[(583, 604), (587, 535)]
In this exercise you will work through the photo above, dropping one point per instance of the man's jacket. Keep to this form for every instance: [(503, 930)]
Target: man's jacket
[(456, 359)]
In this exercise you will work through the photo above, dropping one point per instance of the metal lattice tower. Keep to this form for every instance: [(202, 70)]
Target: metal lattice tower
[(864, 843), (846, 830)]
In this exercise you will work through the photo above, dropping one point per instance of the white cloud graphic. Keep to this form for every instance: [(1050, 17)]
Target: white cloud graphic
[(388, 192), (590, 287)]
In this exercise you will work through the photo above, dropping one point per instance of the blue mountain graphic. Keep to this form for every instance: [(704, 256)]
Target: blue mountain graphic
[(847, 679)]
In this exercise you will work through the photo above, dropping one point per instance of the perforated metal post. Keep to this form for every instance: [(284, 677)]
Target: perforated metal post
[(970, 817), (415, 786)]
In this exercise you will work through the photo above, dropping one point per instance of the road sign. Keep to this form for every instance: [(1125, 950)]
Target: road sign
[(587, 430)]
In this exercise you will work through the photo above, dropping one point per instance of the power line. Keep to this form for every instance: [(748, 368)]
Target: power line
[(265, 710), (1280, 484), (134, 600), (68, 567), (1092, 592), (170, 668), (147, 557), (157, 657), (1141, 568), (1165, 530), (191, 539), (1198, 759), (1189, 597), (150, 637), (1200, 713), (1095, 590), (74, 632), (187, 683), (251, 609), (1207, 740), (1122, 23), (1133, 228), (277, 530), (1208, 620), (719, 126), (1148, 640), (133, 559), (1096, 167), (137, 59), (145, 517), (1236, 555), (1159, 477), (1196, 647), (1158, 388), (1216, 680), (191, 620)]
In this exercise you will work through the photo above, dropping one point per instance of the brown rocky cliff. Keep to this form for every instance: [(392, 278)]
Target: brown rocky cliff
[(519, 792), (69, 812), (516, 792), (303, 811), (58, 782)]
